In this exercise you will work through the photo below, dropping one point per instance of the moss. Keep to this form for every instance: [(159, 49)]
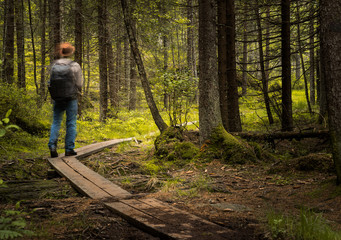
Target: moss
[(170, 145), (222, 145)]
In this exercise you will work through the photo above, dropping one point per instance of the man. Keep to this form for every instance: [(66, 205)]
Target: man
[(65, 85)]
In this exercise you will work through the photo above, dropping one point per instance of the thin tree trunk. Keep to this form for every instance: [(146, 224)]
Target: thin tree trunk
[(245, 53), (33, 48), (43, 16), (19, 8), (79, 32), (262, 65), (287, 120), (102, 22), (312, 58), (133, 84), (300, 50), (138, 60), (8, 64)]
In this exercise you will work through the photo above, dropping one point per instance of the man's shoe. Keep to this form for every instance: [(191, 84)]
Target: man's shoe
[(70, 153), (53, 153)]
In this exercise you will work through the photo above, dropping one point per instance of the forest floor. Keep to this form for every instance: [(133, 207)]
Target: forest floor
[(238, 197)]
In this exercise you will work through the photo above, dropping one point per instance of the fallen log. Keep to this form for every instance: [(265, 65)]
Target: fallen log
[(323, 134), (32, 189)]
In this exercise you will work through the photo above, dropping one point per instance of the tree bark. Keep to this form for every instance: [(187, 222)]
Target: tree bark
[(79, 32), (138, 60), (331, 59), (245, 53), (43, 15), (287, 120), (223, 62), (209, 109), (55, 24), (312, 56), (300, 50), (262, 64), (19, 12), (8, 64), (234, 122), (103, 73)]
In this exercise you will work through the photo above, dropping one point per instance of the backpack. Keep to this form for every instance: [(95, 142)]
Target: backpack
[(62, 85)]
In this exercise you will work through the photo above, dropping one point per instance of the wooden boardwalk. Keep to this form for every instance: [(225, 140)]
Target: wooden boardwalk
[(149, 214)]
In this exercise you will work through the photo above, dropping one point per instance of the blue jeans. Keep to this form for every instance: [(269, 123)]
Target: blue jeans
[(71, 109)]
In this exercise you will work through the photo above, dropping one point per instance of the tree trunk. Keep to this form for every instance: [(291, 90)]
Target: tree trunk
[(8, 64), (234, 122), (19, 12), (312, 57), (300, 50), (43, 15), (331, 58), (209, 109), (33, 48), (262, 65), (245, 53), (228, 87), (79, 32), (102, 38), (287, 120), (223, 62), (55, 24), (133, 84), (138, 60)]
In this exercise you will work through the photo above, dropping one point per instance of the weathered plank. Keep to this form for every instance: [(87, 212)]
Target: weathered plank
[(160, 217), (103, 183), (97, 147), (81, 183)]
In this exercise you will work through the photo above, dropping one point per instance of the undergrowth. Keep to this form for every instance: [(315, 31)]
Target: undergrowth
[(306, 226)]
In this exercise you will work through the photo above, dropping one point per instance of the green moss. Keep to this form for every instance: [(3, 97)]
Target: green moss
[(170, 145), (222, 145)]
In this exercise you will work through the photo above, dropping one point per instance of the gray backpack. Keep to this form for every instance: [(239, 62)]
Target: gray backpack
[(62, 85)]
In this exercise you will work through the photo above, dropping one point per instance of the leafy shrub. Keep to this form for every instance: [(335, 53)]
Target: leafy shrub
[(25, 112)]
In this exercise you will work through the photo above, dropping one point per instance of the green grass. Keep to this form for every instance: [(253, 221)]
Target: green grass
[(307, 226)]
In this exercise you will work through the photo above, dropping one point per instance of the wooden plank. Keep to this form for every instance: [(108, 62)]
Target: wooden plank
[(97, 147), (78, 181), (139, 219), (190, 226), (103, 183)]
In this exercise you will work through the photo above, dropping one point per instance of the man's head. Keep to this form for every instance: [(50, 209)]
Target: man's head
[(64, 50)]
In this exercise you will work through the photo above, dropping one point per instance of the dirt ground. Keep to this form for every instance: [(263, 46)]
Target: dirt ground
[(237, 197)]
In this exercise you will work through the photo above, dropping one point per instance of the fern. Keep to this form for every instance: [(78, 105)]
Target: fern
[(13, 225), (7, 234)]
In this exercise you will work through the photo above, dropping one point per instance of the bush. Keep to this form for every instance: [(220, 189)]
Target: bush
[(25, 112)]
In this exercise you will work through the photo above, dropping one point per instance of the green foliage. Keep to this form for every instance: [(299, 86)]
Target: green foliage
[(25, 112), (180, 87), (308, 226), (4, 124), (13, 224)]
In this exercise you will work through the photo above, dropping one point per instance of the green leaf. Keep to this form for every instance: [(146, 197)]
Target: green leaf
[(8, 113), (12, 126), (5, 120), (2, 132)]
